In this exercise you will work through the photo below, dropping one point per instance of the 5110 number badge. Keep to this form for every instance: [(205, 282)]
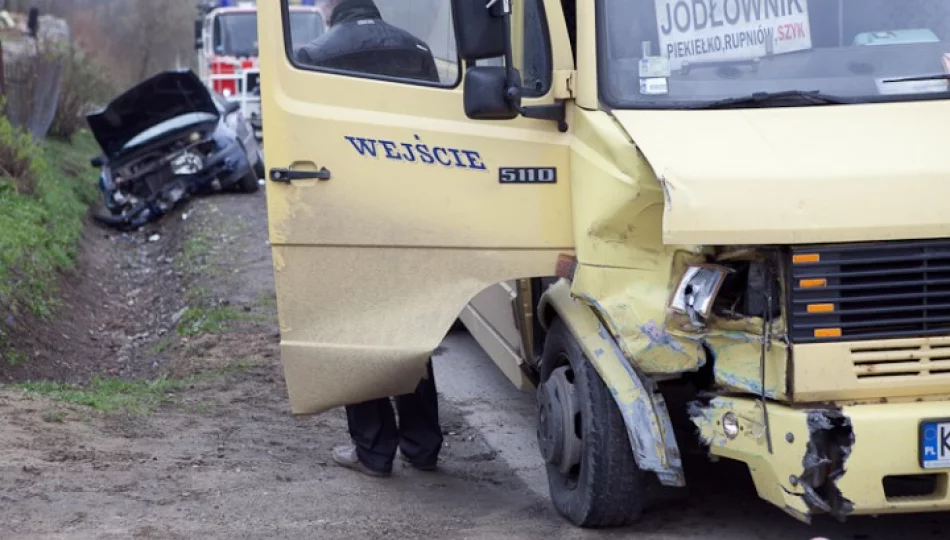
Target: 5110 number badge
[(527, 175)]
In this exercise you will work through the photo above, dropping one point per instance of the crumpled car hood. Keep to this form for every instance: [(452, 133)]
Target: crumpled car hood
[(161, 98), (801, 174)]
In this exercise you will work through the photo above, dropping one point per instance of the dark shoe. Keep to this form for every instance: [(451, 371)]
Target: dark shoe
[(346, 456), (424, 468)]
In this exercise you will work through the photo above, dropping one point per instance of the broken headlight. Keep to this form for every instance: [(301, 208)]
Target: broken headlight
[(187, 162), (697, 290)]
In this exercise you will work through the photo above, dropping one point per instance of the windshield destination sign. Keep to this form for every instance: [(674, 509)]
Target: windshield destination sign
[(713, 30)]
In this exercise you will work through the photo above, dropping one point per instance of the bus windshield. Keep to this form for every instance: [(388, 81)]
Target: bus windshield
[(684, 53)]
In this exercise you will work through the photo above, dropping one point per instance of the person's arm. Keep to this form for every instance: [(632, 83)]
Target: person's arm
[(303, 56), (432, 69)]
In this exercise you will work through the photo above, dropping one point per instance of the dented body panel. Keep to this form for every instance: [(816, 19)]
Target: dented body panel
[(624, 268), (643, 409), (850, 441), (833, 188)]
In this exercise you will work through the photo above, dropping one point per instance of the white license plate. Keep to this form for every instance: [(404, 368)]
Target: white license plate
[(935, 445)]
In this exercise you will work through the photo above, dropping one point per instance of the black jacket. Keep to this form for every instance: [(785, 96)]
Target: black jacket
[(360, 41)]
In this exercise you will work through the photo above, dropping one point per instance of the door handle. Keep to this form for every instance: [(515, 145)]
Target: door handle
[(286, 176)]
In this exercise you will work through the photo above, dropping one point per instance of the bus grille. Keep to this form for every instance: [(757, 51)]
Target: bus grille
[(870, 291), (902, 359)]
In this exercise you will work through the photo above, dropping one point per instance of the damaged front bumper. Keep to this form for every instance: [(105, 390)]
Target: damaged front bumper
[(859, 459), (221, 170)]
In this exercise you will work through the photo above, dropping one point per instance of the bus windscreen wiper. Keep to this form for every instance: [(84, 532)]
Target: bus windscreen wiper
[(934, 77), (791, 97)]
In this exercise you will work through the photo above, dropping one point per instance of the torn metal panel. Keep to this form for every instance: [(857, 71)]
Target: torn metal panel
[(708, 420), (736, 368), (775, 473), (633, 306), (811, 450), (827, 460), (831, 439), (644, 411)]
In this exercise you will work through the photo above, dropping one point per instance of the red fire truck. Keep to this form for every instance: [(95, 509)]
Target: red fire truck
[(226, 40)]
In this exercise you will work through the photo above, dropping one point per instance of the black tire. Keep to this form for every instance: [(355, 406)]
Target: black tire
[(248, 183), (607, 489), (259, 168)]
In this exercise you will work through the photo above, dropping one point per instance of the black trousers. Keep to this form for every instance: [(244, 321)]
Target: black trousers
[(376, 435)]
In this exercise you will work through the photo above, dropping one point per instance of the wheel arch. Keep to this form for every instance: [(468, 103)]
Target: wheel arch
[(644, 411)]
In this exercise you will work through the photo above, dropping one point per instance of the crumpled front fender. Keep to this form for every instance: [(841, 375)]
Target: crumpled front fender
[(644, 411)]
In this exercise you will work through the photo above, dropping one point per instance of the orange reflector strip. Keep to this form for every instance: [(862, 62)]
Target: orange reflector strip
[(813, 283), (828, 333), (821, 308), (806, 258)]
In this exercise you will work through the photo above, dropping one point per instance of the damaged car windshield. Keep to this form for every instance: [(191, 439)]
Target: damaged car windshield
[(683, 53)]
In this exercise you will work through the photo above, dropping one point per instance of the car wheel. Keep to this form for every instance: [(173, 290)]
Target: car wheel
[(592, 475), (249, 183), (259, 168)]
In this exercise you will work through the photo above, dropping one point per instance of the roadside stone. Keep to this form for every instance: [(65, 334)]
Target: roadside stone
[(176, 318)]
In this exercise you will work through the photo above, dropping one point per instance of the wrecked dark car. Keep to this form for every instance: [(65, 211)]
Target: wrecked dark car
[(165, 140)]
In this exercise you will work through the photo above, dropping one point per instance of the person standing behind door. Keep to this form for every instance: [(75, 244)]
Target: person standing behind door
[(358, 40)]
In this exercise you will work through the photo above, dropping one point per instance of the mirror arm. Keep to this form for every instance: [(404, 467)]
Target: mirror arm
[(556, 111)]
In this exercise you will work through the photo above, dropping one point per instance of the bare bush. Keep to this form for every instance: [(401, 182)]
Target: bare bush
[(133, 39), (83, 85)]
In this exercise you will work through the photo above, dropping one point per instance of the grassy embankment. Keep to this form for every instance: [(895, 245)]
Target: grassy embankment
[(45, 191)]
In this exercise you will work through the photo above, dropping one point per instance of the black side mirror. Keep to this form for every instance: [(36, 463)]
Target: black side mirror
[(232, 107), (489, 94), (479, 31), (97, 162)]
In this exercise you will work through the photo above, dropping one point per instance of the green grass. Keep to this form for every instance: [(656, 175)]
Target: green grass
[(42, 203), (111, 395), (202, 320), (119, 395), (197, 294), (198, 320), (162, 345), (195, 253), (13, 357)]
